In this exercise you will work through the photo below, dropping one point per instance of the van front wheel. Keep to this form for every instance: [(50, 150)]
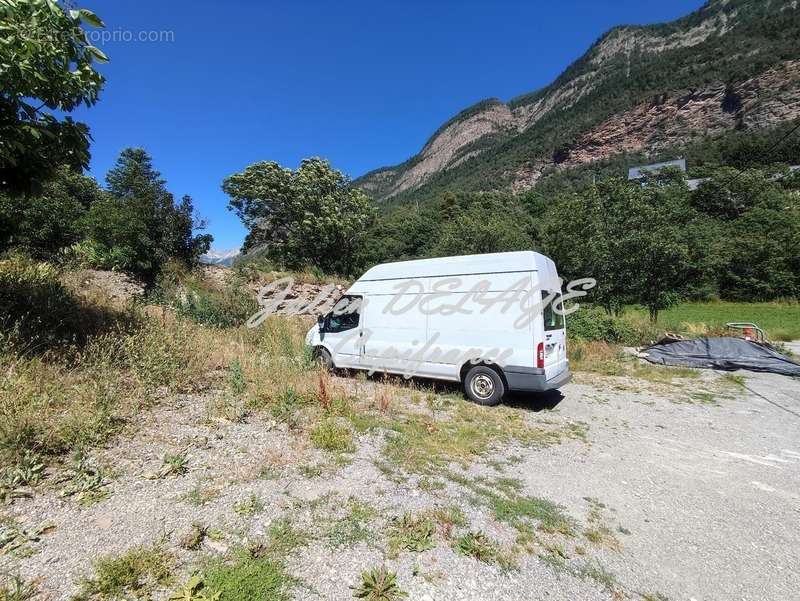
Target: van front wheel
[(324, 359), (484, 386)]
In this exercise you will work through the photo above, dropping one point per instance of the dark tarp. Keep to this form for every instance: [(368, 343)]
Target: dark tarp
[(721, 353)]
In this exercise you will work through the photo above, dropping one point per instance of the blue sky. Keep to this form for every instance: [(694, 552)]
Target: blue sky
[(363, 84)]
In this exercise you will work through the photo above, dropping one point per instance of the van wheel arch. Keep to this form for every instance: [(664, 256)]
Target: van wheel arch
[(469, 365), (324, 356)]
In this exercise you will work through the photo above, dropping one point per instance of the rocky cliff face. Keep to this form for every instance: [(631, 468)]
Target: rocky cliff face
[(444, 150), (668, 121), (612, 75)]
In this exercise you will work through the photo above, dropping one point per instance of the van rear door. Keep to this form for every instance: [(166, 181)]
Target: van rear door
[(555, 335)]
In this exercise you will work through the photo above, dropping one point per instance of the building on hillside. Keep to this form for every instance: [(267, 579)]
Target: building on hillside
[(642, 170), (638, 173)]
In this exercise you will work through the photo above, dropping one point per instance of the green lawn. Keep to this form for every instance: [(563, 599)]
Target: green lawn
[(781, 321)]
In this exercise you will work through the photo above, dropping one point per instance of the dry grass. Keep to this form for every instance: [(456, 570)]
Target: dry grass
[(425, 445), (595, 356), (72, 395), (71, 398), (262, 273), (610, 360)]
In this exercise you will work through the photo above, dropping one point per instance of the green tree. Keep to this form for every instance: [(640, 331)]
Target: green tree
[(137, 226), (730, 193), (482, 223), (763, 247), (630, 238), (401, 234), (752, 225), (51, 220), (455, 224), (661, 220), (307, 217), (46, 64)]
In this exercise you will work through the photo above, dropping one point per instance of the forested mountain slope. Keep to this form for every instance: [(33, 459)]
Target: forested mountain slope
[(732, 65)]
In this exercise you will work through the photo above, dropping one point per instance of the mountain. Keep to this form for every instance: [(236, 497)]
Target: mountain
[(733, 65), (220, 257)]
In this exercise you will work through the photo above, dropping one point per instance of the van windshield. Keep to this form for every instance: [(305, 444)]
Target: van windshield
[(553, 319)]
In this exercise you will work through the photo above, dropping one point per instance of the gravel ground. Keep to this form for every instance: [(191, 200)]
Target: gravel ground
[(697, 495)]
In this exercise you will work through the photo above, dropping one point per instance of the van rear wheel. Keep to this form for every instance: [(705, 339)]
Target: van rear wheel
[(484, 386)]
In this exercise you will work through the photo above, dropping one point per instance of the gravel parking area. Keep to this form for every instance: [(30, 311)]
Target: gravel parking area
[(684, 490)]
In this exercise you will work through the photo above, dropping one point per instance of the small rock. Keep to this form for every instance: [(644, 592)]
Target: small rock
[(193, 538)]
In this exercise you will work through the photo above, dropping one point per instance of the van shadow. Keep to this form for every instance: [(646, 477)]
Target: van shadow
[(534, 401)]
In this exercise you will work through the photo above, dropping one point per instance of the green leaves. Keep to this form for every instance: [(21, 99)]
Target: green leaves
[(138, 226), (46, 59), (630, 238), (308, 217), (97, 54), (87, 16), (53, 7), (195, 590), (90, 18), (411, 533)]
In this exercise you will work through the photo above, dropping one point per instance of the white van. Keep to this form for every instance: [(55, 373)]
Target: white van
[(492, 322)]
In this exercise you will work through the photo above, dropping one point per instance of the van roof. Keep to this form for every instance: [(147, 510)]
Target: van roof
[(462, 265)]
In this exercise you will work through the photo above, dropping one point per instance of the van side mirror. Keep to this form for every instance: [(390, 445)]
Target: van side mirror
[(321, 323)]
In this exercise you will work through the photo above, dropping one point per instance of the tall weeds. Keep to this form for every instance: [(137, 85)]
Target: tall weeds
[(76, 389), (71, 373)]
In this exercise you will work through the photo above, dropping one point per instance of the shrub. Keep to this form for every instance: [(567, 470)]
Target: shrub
[(229, 307), (193, 298), (34, 304), (331, 436), (379, 584), (91, 254), (137, 572), (593, 323)]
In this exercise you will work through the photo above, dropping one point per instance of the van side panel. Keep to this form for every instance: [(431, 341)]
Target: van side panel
[(394, 328), (479, 317)]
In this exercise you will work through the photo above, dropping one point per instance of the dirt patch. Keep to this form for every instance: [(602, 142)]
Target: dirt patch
[(298, 298), (106, 286)]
